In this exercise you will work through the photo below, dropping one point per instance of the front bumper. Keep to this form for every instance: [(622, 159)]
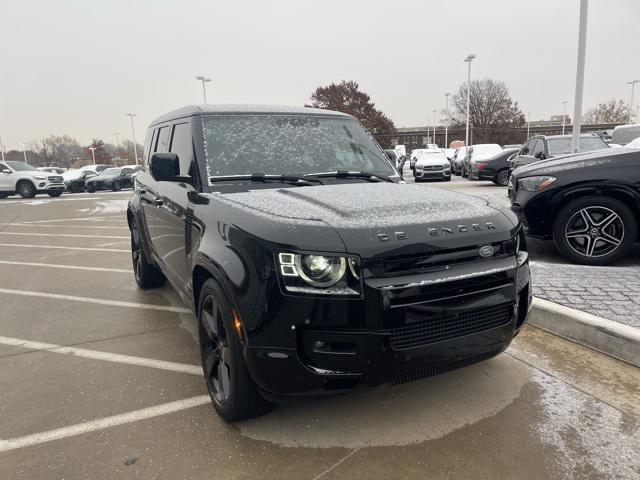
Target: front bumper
[(396, 333), (432, 174)]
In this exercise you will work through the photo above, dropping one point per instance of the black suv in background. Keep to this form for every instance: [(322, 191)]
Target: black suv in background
[(588, 203), (542, 147), (115, 178), (495, 168), (280, 227)]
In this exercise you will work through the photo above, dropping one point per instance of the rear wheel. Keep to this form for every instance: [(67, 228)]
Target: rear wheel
[(75, 188), (595, 230), (147, 275), (232, 391), (26, 189), (502, 177)]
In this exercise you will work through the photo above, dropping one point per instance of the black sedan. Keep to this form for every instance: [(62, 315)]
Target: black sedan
[(588, 203), (495, 168), (114, 179)]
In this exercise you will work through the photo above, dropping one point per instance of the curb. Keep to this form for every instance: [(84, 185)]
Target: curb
[(609, 337)]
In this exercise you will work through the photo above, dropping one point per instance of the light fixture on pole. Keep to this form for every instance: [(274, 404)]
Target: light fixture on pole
[(582, 49), (564, 114), (133, 136), (93, 154), (434, 127), (24, 152), (446, 120), (428, 142), (633, 86), (204, 80), (528, 124), (468, 60)]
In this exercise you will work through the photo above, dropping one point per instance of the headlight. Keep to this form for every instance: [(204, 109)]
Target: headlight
[(40, 177), (535, 184), (325, 274)]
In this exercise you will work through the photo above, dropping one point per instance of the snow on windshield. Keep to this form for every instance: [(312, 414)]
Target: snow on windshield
[(560, 146), (289, 144)]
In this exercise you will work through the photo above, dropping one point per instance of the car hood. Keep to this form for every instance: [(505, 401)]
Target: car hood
[(572, 161), (429, 162), (373, 218)]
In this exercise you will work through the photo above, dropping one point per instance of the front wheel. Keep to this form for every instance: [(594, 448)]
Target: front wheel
[(146, 274), (75, 188), (502, 177), (595, 230), (26, 189), (232, 391), (116, 186)]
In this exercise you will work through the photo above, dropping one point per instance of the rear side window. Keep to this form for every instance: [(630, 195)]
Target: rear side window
[(182, 146), (148, 141), (162, 144)]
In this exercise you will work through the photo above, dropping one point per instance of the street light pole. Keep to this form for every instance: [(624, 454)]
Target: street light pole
[(633, 86), (577, 104), (564, 115), (428, 142), (204, 80), (446, 120), (93, 154), (434, 127), (528, 124), (24, 152), (133, 136), (468, 60)]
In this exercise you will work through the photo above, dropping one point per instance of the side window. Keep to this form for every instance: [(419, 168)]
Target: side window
[(182, 145), (162, 145), (538, 148), (526, 150), (127, 171), (148, 141), (3, 167)]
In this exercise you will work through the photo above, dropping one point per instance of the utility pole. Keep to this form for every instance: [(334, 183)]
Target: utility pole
[(24, 152), (564, 115), (633, 86), (133, 136), (434, 127), (446, 121), (2, 149), (93, 154), (577, 104), (528, 124), (204, 80), (428, 142), (468, 60)]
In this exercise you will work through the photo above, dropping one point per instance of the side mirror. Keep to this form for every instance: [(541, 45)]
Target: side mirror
[(6, 170), (165, 167)]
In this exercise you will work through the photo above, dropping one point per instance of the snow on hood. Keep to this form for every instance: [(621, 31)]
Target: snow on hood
[(363, 205), (574, 161), (428, 160)]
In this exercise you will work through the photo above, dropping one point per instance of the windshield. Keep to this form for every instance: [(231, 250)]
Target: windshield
[(561, 146), (20, 166), (430, 155), (289, 145), (111, 171)]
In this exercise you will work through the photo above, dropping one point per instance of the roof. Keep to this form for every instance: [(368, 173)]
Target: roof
[(231, 109), (582, 135)]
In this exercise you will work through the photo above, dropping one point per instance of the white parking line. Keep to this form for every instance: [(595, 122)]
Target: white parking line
[(102, 423), (99, 301), (75, 219), (75, 235), (70, 267), (106, 356), (40, 225), (59, 247)]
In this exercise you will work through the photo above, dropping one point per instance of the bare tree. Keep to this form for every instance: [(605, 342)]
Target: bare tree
[(56, 150), (346, 97), (612, 111), (492, 112)]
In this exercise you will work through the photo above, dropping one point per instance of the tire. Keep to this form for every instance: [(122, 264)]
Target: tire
[(595, 230), (57, 193), (75, 188), (502, 177), (90, 190), (26, 189), (116, 186), (233, 393), (146, 274)]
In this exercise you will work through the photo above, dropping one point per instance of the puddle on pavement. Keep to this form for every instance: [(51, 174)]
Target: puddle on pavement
[(395, 415)]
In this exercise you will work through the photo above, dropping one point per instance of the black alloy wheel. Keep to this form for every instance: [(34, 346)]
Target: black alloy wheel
[(116, 186), (595, 230), (26, 189), (502, 178), (75, 188), (233, 393), (146, 274)]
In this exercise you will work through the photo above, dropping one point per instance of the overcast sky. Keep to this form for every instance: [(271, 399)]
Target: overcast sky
[(76, 67)]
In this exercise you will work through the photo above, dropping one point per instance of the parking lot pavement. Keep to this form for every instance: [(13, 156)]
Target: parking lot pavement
[(102, 380), (611, 292)]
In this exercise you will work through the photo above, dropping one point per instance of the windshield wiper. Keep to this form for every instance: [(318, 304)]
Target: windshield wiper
[(261, 177), (345, 174)]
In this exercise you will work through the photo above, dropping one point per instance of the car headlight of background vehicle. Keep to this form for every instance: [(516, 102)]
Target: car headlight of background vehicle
[(320, 274), (40, 177), (535, 184)]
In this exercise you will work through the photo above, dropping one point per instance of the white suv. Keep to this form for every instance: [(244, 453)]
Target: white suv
[(26, 181)]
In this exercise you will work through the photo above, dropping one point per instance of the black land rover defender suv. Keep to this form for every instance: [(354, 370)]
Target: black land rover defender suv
[(280, 227)]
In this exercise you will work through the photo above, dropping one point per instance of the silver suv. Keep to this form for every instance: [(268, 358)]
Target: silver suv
[(26, 181)]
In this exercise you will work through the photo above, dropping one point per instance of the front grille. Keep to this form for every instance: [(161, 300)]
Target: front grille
[(347, 350), (432, 168), (444, 367), (55, 179), (449, 325)]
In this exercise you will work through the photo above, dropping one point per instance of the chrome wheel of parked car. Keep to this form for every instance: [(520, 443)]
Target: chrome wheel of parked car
[(26, 189), (595, 230)]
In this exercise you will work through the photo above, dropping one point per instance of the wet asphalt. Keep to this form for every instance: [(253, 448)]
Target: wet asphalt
[(126, 399)]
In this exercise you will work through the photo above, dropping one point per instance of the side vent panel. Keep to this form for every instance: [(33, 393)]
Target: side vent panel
[(188, 230)]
